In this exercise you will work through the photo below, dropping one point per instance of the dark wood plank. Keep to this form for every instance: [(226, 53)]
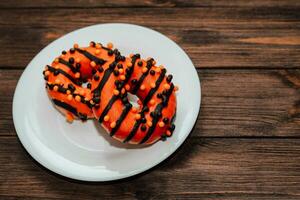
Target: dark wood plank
[(234, 103), (137, 3), (241, 37), (201, 169)]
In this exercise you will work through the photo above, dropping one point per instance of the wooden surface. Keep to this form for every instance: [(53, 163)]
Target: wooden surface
[(246, 142)]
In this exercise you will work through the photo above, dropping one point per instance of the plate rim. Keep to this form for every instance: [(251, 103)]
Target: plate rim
[(36, 156)]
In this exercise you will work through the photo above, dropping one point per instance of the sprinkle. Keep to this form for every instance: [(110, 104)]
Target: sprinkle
[(113, 125), (70, 97), (137, 116), (47, 73), (68, 92), (122, 77), (161, 66), (78, 98), (149, 123), (123, 91), (161, 124), (56, 60), (134, 110), (82, 93), (168, 133), (96, 77), (140, 63), (57, 81), (71, 60), (77, 75), (145, 69), (106, 118), (55, 88), (130, 55), (176, 88), (157, 69), (121, 71), (152, 72), (69, 117), (98, 46), (97, 51), (116, 92), (143, 87), (139, 102), (63, 52), (127, 87), (92, 64), (167, 86), (129, 64), (152, 102), (152, 85), (92, 102), (92, 44), (110, 45), (75, 46), (56, 67), (78, 60), (143, 128)]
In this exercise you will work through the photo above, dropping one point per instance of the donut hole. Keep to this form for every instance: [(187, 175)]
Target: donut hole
[(133, 99)]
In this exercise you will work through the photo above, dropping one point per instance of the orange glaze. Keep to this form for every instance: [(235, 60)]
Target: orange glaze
[(125, 123)]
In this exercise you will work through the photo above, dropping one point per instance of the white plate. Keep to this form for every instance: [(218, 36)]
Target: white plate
[(84, 151)]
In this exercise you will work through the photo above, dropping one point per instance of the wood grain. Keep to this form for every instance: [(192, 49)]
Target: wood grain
[(138, 3), (201, 169), (241, 37), (234, 103)]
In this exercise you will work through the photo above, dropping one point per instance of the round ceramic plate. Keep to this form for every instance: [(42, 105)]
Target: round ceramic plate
[(84, 151)]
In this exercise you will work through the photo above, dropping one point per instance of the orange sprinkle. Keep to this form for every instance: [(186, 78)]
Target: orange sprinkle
[(149, 123), (167, 86), (56, 60), (152, 85), (110, 45), (86, 99), (137, 116), (92, 102), (152, 102), (97, 51), (56, 67), (130, 55), (176, 88), (78, 98), (168, 133), (129, 64), (123, 91), (82, 93), (161, 67), (91, 44), (78, 60), (70, 97), (121, 71), (106, 118), (127, 87), (55, 88), (98, 46), (157, 69), (145, 69), (92, 64), (69, 117), (113, 125), (122, 77), (76, 46), (161, 124), (68, 92), (77, 75), (116, 92), (47, 73), (134, 110), (57, 81), (143, 87)]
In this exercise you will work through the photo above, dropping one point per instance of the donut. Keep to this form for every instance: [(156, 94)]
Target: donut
[(111, 78)]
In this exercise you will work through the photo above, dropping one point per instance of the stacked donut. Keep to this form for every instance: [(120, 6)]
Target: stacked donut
[(93, 82)]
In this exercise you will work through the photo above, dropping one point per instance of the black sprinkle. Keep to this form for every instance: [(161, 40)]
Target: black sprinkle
[(92, 43), (71, 87), (78, 65), (143, 120), (94, 71), (110, 52), (96, 100), (72, 50), (143, 128), (100, 69), (71, 60), (172, 127), (96, 78), (169, 78), (64, 52), (159, 95), (120, 66), (116, 72), (152, 72), (134, 81), (165, 120), (140, 63), (56, 72), (89, 86)]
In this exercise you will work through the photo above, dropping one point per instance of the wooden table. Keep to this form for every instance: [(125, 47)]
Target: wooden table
[(246, 142)]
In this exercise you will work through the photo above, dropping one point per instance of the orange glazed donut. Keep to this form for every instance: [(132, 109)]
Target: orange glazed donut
[(110, 77), (153, 119)]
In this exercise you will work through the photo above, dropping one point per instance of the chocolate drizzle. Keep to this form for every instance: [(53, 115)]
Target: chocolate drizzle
[(139, 82), (157, 114), (121, 118), (114, 98), (90, 56), (153, 90), (65, 106), (53, 70), (62, 61)]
